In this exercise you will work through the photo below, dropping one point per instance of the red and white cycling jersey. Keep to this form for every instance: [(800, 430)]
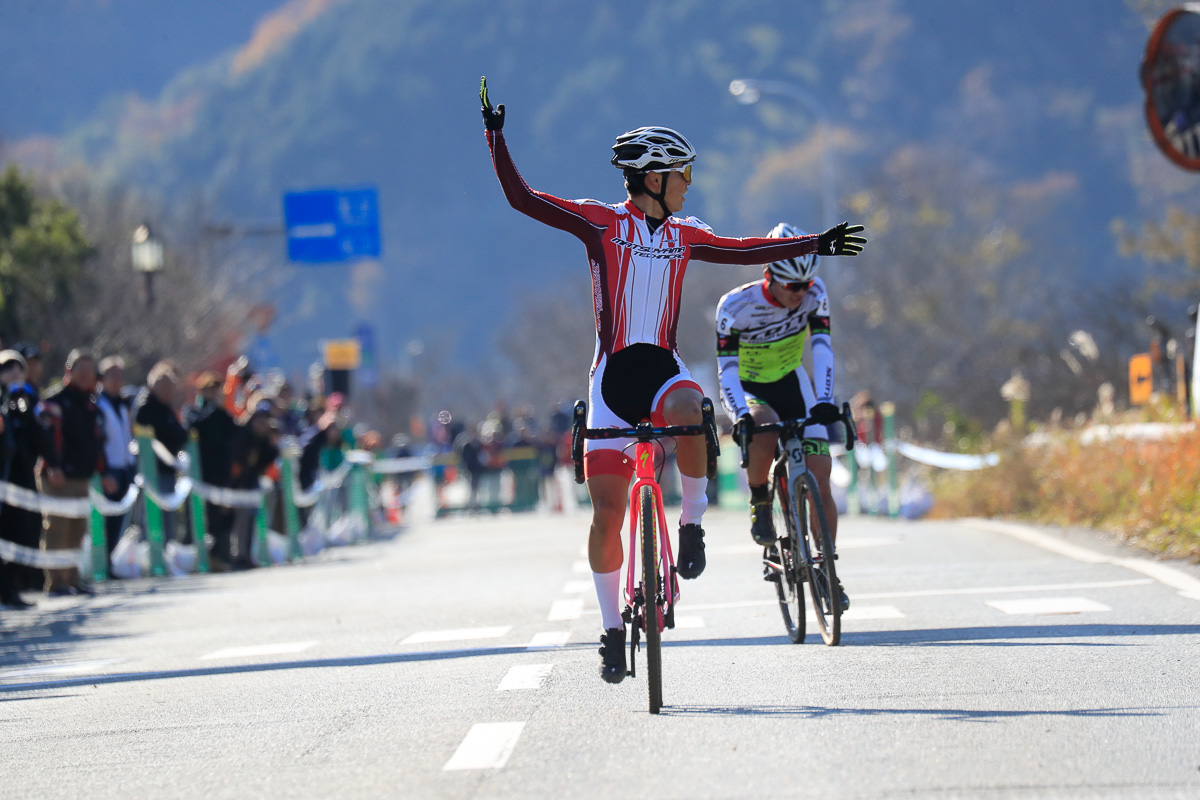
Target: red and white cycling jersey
[(637, 276)]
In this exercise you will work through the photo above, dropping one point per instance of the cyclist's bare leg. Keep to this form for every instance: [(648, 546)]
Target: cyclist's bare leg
[(762, 446), (610, 495), (682, 407), (820, 467)]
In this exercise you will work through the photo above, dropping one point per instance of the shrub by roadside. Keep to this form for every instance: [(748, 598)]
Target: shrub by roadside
[(1146, 492)]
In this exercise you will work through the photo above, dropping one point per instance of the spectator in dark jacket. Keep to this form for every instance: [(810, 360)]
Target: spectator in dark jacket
[(255, 449), (120, 463), (78, 443), (156, 410), (215, 431), (14, 522)]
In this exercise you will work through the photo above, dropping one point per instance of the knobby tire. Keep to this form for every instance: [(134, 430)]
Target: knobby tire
[(822, 578), (790, 586), (648, 511)]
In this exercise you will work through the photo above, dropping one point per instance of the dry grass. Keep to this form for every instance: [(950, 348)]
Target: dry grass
[(1146, 492)]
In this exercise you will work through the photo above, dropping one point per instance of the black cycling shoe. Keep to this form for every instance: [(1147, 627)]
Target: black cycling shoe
[(770, 574), (612, 655), (762, 526), (691, 551), (843, 598)]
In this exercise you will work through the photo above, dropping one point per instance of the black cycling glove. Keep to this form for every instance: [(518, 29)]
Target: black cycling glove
[(493, 118), (743, 429), (838, 241), (824, 414)]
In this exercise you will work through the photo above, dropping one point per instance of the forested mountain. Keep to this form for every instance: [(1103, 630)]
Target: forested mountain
[(988, 146)]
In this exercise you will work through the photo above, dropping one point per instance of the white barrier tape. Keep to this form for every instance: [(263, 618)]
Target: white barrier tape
[(41, 559), (361, 457), (113, 508), (334, 479), (303, 499), (69, 507), (392, 466), (935, 458), (172, 501), (871, 456), (179, 464), (229, 498)]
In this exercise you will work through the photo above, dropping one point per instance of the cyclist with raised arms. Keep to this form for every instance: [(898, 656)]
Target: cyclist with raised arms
[(761, 331), (637, 255)]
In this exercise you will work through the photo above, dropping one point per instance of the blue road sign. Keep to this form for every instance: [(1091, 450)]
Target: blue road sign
[(329, 225)]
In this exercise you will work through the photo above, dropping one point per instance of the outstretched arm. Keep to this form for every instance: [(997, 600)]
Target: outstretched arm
[(554, 211), (840, 240)]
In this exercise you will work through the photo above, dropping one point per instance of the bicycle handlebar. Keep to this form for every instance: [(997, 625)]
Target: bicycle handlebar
[(792, 427), (644, 432)]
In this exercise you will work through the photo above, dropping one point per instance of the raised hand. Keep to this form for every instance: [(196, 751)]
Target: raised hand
[(841, 241), (493, 118)]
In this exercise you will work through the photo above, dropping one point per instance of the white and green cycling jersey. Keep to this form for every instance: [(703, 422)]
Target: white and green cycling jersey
[(761, 343)]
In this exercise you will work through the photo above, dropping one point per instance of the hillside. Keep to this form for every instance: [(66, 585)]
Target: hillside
[(1036, 102)]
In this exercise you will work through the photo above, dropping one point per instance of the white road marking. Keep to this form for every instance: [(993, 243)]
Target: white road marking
[(577, 587), (548, 639), (735, 549), (461, 634), (486, 746), (77, 668), (872, 612), (1043, 587), (258, 650), (581, 566), (524, 676), (1188, 585), (689, 622), (852, 543), (569, 608), (1048, 605)]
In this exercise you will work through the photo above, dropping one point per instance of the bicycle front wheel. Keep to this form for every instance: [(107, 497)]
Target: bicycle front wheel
[(822, 569), (788, 581), (648, 514)]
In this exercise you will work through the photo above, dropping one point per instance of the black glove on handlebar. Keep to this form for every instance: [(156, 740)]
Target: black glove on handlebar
[(743, 429), (824, 414), (839, 241), (493, 118)]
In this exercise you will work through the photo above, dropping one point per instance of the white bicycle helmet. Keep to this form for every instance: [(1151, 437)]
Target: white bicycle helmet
[(801, 268), (652, 148)]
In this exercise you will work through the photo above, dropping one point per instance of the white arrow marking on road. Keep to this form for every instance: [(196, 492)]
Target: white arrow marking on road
[(461, 634), (525, 676), (1048, 605), (486, 746), (548, 639), (571, 608), (258, 650), (576, 587)]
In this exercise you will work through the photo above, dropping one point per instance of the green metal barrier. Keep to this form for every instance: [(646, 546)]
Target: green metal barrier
[(148, 466), (99, 540), (291, 514), (196, 506)]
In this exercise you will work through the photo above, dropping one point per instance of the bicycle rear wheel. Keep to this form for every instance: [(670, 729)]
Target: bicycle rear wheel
[(648, 514), (788, 586), (822, 570)]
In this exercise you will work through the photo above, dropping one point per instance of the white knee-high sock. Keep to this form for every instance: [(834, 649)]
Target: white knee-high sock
[(694, 499), (608, 594)]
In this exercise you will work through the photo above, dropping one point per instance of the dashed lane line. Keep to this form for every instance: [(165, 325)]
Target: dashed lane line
[(567, 608), (1040, 587), (684, 622), (581, 566), (486, 746), (252, 651), (76, 668), (577, 587), (546, 640), (458, 635), (524, 676), (1048, 605)]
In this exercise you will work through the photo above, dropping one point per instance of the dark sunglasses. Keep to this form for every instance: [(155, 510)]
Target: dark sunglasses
[(796, 286)]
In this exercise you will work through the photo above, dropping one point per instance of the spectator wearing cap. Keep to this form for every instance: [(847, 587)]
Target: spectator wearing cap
[(17, 415), (77, 431), (33, 367), (215, 431), (255, 449), (120, 462), (156, 410)]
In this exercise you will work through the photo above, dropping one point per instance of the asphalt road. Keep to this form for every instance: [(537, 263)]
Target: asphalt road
[(458, 659)]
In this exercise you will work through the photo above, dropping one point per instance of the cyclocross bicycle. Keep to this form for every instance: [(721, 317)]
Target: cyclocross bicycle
[(804, 554), (649, 602)]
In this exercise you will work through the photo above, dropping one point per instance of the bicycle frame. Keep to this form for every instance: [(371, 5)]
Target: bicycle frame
[(644, 476)]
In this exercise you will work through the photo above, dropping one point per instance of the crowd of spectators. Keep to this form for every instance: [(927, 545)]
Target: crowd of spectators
[(55, 440)]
